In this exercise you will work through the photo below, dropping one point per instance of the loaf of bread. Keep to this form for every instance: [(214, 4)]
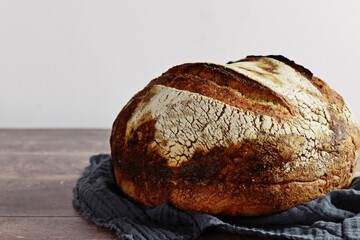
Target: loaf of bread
[(252, 137)]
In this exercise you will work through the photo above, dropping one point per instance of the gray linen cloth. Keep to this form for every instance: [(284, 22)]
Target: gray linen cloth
[(97, 198)]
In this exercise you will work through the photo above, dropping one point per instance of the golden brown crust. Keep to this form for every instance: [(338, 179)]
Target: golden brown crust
[(225, 85), (231, 140)]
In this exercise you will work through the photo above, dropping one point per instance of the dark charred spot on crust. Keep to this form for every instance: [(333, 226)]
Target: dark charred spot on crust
[(118, 133), (148, 160), (119, 126), (202, 166), (139, 163), (117, 138), (260, 158), (252, 161)]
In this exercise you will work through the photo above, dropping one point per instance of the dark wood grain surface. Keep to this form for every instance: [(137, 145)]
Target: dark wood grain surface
[(38, 170)]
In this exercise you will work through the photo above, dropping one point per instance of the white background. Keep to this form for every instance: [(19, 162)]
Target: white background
[(75, 63)]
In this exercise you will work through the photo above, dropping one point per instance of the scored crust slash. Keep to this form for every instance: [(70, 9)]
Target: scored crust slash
[(252, 137)]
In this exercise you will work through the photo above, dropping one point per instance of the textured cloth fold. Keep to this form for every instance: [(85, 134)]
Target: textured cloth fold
[(97, 198)]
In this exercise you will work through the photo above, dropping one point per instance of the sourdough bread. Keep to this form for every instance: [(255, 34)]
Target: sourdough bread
[(251, 137)]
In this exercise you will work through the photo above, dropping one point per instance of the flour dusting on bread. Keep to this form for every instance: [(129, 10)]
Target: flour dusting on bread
[(208, 137)]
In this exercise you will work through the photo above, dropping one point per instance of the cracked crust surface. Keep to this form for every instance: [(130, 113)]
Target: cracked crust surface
[(251, 137)]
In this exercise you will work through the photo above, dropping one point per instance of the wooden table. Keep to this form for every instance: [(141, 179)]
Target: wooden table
[(38, 170)]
